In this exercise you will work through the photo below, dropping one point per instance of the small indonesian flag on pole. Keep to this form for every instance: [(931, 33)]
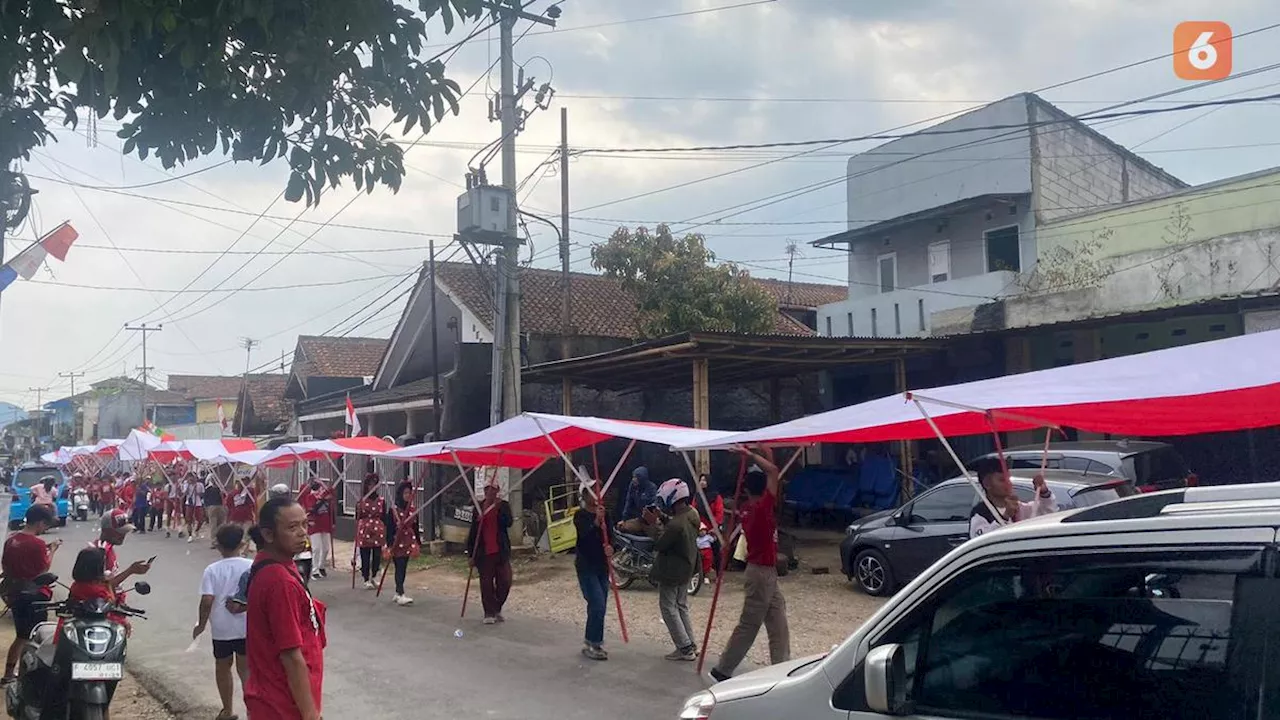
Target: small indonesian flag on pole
[(222, 418), (26, 263), (353, 421)]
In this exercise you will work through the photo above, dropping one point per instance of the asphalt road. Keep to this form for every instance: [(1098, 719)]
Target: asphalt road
[(393, 663)]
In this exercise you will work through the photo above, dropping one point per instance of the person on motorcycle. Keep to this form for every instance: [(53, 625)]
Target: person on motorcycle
[(115, 528), (640, 495), (675, 553), (25, 557), (90, 582)]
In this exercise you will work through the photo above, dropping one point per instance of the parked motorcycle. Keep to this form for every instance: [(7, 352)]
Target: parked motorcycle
[(80, 504), (633, 559), (72, 677)]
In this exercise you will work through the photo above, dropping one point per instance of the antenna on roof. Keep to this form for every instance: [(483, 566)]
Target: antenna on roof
[(792, 251)]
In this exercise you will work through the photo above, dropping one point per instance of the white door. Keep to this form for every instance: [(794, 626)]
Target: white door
[(940, 261)]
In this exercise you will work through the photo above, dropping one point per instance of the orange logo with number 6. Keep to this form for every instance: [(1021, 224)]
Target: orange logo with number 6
[(1202, 50)]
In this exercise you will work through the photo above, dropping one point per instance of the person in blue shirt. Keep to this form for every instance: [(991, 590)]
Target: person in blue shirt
[(641, 493)]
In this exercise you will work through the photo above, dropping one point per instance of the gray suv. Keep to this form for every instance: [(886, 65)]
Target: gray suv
[(1160, 605), (1150, 465), (881, 552)]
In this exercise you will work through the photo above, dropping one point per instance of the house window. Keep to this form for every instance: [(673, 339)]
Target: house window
[(888, 271), (1003, 252), (940, 261), (920, 311), (828, 326), (850, 318), (874, 330)]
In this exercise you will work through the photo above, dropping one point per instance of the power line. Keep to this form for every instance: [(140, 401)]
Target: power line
[(1027, 126), (825, 100), (295, 286)]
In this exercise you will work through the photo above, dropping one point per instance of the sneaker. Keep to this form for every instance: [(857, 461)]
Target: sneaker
[(368, 585), (718, 675), (595, 652), (323, 573), (316, 575), (168, 534), (685, 655), (406, 600), (499, 618), (191, 538), (489, 620)]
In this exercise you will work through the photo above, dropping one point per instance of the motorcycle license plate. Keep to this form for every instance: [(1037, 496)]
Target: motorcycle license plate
[(97, 671)]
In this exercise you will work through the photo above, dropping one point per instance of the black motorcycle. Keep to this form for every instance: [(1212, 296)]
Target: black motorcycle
[(72, 677), (633, 559)]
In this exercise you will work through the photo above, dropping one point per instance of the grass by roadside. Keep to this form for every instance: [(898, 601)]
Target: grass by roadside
[(131, 701)]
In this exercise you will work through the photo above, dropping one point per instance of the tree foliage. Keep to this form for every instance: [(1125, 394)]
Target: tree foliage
[(679, 286), (258, 79)]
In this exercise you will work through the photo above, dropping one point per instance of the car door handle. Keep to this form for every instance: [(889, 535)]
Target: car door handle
[(956, 540)]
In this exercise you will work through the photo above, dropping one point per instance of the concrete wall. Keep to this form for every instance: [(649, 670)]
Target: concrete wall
[(1234, 205), (1076, 169), (953, 167), (915, 308)]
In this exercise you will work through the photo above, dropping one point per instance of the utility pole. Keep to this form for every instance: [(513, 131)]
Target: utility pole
[(566, 297), (507, 358), (247, 344), (437, 512), (72, 377), (39, 391), (792, 250), (144, 329)]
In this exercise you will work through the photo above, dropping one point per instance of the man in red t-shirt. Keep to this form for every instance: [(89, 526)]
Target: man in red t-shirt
[(763, 604), (284, 625), (25, 557)]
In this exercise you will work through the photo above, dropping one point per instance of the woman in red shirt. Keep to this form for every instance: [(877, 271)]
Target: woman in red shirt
[(371, 529), (404, 521), (89, 576), (285, 636)]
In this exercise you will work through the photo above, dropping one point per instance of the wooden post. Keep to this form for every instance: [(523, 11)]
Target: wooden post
[(701, 410), (904, 446)]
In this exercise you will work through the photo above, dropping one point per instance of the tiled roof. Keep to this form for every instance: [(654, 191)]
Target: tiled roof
[(166, 397), (266, 393), (601, 308), (206, 387), (797, 295), (352, 357)]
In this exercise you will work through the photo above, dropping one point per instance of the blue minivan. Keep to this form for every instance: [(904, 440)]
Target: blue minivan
[(27, 476)]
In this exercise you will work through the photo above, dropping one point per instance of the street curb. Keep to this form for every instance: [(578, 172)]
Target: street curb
[(172, 701)]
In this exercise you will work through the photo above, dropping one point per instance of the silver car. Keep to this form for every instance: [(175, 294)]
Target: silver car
[(1160, 605), (1150, 465)]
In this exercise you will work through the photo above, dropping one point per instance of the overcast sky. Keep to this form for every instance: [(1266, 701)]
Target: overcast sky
[(778, 71)]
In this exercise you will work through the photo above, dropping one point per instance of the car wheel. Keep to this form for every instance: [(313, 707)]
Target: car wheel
[(871, 572)]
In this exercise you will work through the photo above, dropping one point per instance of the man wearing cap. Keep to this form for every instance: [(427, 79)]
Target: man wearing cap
[(26, 557), (114, 528)]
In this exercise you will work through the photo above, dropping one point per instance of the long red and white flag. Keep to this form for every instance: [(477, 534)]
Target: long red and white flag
[(353, 421)]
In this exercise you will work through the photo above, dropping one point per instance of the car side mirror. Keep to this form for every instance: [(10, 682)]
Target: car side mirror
[(142, 588), (885, 678), (902, 517)]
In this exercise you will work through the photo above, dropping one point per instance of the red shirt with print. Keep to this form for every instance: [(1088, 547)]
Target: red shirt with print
[(760, 527), (243, 507), (281, 616), (25, 557), (319, 507)]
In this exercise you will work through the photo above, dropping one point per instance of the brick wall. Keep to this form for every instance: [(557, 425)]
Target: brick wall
[(1078, 169)]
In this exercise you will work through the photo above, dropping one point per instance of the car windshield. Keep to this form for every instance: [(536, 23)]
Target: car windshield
[(27, 477)]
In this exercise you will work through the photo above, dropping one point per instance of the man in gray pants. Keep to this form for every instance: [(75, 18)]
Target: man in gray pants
[(763, 604), (675, 552)]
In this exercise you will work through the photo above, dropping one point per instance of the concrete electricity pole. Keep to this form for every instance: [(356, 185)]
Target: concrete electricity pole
[(72, 377), (144, 329), (39, 391)]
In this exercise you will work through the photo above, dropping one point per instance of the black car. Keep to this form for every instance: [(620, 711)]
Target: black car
[(880, 552)]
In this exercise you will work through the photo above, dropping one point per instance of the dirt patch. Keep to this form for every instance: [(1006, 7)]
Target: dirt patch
[(131, 701), (822, 609)]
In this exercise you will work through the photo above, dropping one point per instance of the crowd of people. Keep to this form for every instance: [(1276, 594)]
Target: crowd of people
[(268, 629)]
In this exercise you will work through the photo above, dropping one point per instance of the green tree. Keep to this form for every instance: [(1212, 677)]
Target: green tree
[(679, 286), (258, 79)]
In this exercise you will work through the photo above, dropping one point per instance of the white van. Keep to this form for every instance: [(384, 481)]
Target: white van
[(1160, 606)]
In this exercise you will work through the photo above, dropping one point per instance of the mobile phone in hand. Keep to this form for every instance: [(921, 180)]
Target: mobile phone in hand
[(152, 559)]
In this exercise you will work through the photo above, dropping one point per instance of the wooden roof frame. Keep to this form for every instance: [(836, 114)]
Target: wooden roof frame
[(731, 358)]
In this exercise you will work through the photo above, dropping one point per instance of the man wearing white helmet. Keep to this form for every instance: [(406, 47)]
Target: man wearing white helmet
[(675, 555)]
